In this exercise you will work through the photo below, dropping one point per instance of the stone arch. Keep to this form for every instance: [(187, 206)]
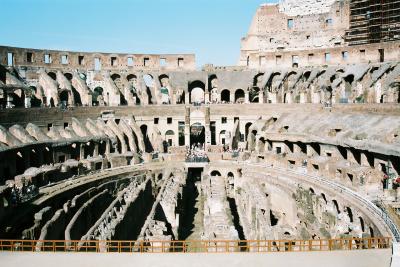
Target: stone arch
[(35, 102), (197, 92), (349, 213), (256, 79), (336, 205), (212, 80), (131, 77), (18, 97), (147, 143), (69, 76), (222, 138), (306, 75), (149, 83), (53, 75), (225, 96), (98, 91), (362, 223), (148, 80), (247, 129), (215, 173), (239, 96), (371, 231), (162, 78), (197, 134), (65, 97), (324, 198), (170, 137), (348, 82)]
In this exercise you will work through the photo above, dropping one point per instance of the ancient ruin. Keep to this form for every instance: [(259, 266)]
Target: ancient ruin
[(300, 141)]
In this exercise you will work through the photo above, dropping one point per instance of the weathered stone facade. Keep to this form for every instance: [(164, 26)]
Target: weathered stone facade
[(97, 146)]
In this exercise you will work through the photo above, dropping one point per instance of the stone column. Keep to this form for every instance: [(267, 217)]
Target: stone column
[(187, 125), (207, 128), (187, 97), (232, 97), (246, 97), (261, 97), (108, 147), (96, 150), (9, 101), (82, 151), (302, 98), (27, 102)]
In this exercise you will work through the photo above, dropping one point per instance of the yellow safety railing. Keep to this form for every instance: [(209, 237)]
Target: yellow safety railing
[(195, 246)]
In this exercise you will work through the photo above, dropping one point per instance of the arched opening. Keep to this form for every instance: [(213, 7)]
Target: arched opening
[(349, 213), (131, 78), (163, 79), (197, 135), (348, 87), (149, 82), (215, 173), (147, 143), (169, 137), (197, 95), (196, 92), (68, 76), (257, 80), (362, 225), (312, 192), (34, 158), (3, 72), (324, 198), (247, 127), (98, 91), (239, 96), (132, 83), (35, 102), (20, 163), (117, 79), (273, 219), (52, 75), (336, 206), (64, 98), (222, 137), (118, 83), (254, 94), (306, 75), (371, 232), (75, 94), (225, 96), (164, 91), (212, 82), (230, 174), (52, 104), (17, 98)]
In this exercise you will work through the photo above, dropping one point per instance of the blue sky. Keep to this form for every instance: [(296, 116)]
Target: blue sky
[(209, 28)]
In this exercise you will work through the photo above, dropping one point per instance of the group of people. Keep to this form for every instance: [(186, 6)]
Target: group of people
[(196, 153)]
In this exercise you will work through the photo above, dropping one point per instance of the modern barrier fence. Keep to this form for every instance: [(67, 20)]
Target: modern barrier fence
[(195, 246)]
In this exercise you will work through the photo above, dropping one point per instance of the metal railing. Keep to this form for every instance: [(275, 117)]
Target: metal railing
[(195, 246)]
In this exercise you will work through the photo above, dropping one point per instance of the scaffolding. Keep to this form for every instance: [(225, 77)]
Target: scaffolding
[(373, 21)]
